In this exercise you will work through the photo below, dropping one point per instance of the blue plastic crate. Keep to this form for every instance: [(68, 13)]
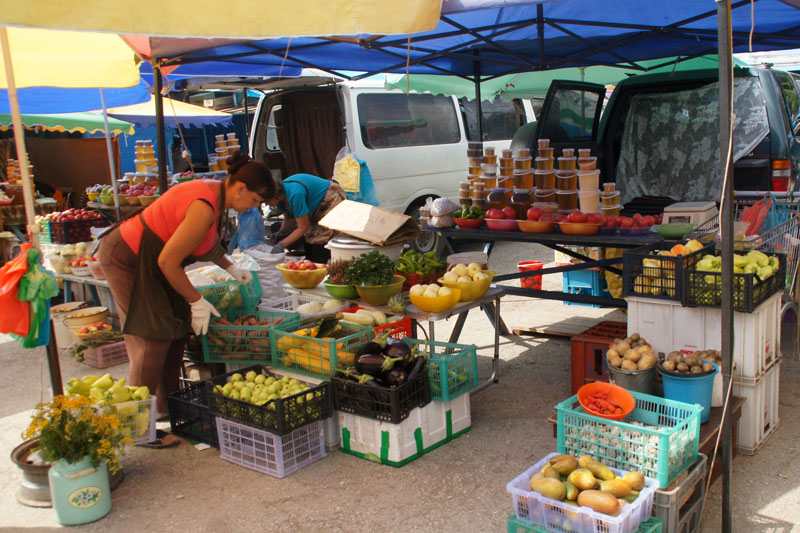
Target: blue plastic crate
[(588, 282), (660, 438)]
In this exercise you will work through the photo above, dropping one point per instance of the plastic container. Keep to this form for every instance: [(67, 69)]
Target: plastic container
[(588, 352), (609, 186), (280, 416), (679, 508), (568, 152), (544, 179), (474, 170), (524, 179), (244, 344), (662, 444), (544, 163), (665, 281), (522, 163), (691, 389), (80, 492), (587, 163), (530, 282), (271, 454), (523, 152), (589, 201), (489, 159), (506, 171), (589, 180), (584, 152), (189, 415), (610, 199), (475, 161), (106, 355), (452, 368), (507, 184), (488, 150), (567, 163), (543, 143), (546, 152), (381, 403), (229, 297), (566, 181), (290, 303), (138, 419), (544, 196), (633, 380), (425, 429), (547, 207), (760, 416), (515, 526), (614, 210), (489, 181), (534, 508), (567, 200)]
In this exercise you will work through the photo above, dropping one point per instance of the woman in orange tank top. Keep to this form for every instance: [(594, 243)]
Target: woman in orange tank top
[(144, 257)]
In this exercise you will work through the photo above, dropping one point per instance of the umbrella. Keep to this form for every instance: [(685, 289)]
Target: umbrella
[(69, 122)]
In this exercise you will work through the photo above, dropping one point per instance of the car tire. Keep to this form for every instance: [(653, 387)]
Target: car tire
[(427, 240)]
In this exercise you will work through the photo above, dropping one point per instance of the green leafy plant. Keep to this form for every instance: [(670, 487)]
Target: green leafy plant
[(72, 427), (371, 269)]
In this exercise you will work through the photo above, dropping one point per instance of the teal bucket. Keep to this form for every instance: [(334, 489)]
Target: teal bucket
[(691, 389)]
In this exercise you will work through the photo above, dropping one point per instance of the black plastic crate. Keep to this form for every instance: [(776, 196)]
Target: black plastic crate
[(704, 289), (189, 415), (665, 281), (280, 416), (391, 405)]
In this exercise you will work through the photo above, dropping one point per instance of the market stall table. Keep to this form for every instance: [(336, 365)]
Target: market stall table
[(92, 284), (110, 211), (490, 302), (558, 242)]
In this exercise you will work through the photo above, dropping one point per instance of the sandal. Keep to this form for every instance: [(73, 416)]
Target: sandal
[(159, 443)]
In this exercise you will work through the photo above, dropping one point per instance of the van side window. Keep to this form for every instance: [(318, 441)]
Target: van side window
[(500, 118), (273, 137), (790, 99), (395, 120), (571, 116)]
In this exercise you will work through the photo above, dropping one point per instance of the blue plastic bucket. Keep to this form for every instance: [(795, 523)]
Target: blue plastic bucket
[(690, 389)]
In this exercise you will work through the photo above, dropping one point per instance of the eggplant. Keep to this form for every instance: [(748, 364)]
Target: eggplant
[(376, 345), (397, 348), (370, 363), (397, 377), (419, 363)]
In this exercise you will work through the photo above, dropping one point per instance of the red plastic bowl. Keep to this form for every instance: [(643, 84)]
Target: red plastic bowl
[(575, 228), (468, 223), (536, 226), (615, 393), (502, 224)]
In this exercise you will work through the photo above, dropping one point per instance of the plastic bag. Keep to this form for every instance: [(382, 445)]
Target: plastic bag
[(443, 222), (365, 191), (444, 206), (14, 314), (269, 276), (772, 220), (36, 286), (347, 171)]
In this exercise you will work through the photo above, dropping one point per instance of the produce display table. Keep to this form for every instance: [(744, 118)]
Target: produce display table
[(708, 433), (92, 284), (110, 212), (489, 302), (558, 242)]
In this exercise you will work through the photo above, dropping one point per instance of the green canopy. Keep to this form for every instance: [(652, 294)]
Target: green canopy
[(536, 84), (70, 122)]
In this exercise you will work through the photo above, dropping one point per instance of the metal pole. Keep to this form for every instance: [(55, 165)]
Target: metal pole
[(724, 53), (161, 138), (245, 144), (477, 69), (110, 150)]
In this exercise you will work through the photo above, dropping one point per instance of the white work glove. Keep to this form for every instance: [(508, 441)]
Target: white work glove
[(201, 314), (241, 275)]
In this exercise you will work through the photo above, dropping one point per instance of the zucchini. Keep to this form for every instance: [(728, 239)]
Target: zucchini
[(359, 318)]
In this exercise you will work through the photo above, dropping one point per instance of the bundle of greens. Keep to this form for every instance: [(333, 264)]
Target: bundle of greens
[(370, 269)]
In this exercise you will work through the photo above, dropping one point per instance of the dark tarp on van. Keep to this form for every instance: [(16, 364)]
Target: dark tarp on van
[(313, 136), (666, 151)]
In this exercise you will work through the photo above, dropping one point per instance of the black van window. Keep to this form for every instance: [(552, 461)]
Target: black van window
[(791, 99), (273, 138), (571, 116), (395, 120), (501, 119)]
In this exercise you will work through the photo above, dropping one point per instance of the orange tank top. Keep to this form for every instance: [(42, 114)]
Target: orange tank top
[(165, 215)]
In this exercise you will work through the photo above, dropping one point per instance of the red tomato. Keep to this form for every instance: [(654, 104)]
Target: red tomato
[(576, 217), (534, 213), (495, 214), (625, 222), (546, 217), (509, 212), (650, 220)]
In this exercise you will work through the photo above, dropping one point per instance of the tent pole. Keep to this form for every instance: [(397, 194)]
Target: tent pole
[(246, 120), (161, 138), (111, 165), (479, 107), (53, 363), (725, 52)]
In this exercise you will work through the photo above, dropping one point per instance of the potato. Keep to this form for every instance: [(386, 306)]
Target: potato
[(696, 369), (633, 355), (612, 354), (629, 365), (675, 356), (669, 366), (616, 362), (692, 360), (623, 347), (635, 337), (647, 361), (708, 367), (682, 367)]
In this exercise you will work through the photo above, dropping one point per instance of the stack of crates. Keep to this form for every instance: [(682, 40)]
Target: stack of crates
[(396, 426), (680, 505), (588, 282), (588, 352)]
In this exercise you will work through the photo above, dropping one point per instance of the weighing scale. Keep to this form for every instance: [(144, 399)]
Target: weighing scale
[(692, 212)]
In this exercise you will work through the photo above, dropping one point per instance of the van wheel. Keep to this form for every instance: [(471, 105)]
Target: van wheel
[(427, 241)]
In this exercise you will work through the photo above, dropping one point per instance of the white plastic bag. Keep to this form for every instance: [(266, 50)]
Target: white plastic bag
[(443, 207), (269, 276), (443, 222)]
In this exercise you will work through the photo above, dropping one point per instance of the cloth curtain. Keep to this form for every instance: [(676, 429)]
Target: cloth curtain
[(312, 133)]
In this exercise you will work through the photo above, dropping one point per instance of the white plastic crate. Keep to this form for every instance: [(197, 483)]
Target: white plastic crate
[(138, 419), (293, 301), (534, 508), (679, 508), (425, 429), (760, 411), (262, 451), (111, 354), (668, 326)]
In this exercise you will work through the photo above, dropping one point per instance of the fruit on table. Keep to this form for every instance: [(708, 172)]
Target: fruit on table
[(303, 264), (632, 353), (432, 290)]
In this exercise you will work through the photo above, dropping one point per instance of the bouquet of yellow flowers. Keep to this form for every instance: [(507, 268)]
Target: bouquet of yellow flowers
[(72, 427)]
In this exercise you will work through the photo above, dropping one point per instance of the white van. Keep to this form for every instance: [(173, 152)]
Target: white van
[(415, 145)]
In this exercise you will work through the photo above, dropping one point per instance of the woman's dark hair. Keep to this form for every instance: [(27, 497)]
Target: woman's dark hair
[(255, 175)]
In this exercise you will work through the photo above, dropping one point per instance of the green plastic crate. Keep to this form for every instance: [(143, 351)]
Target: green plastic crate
[(244, 344), (317, 357), (44, 232), (658, 452), (515, 526), (232, 299), (452, 368)]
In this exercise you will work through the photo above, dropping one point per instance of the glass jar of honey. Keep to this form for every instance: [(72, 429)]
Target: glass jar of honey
[(496, 199), (521, 202)]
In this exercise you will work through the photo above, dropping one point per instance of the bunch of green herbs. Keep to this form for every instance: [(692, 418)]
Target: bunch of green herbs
[(371, 269)]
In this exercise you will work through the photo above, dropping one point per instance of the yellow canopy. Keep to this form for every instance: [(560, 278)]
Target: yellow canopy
[(50, 58), (247, 19)]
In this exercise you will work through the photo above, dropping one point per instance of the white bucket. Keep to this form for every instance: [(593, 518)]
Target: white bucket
[(63, 334)]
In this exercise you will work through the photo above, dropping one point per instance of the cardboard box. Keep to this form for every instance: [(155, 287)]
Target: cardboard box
[(374, 224)]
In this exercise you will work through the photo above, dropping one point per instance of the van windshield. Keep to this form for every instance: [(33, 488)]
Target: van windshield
[(501, 119), (395, 120)]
